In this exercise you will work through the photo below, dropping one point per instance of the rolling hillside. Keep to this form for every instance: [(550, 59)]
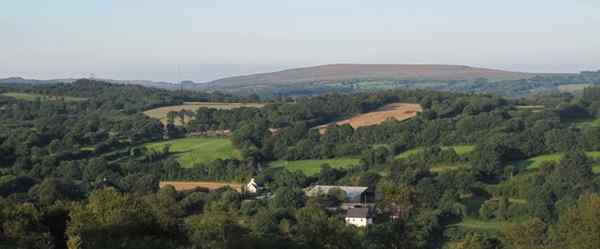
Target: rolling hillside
[(346, 72), (351, 77)]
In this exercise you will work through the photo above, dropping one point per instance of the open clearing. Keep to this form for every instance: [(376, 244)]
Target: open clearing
[(161, 112), (537, 161), (194, 150), (33, 97), (571, 88), (189, 185), (587, 123), (313, 167), (476, 224), (459, 149), (398, 111)]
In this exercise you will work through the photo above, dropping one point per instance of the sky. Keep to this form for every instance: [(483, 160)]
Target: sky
[(202, 40)]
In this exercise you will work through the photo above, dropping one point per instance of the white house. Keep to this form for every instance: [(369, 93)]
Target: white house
[(252, 187), (360, 217)]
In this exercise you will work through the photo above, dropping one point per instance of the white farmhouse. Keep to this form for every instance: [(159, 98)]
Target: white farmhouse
[(360, 217), (252, 187)]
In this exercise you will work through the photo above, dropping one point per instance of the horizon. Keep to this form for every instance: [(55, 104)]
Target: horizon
[(209, 40), (274, 71)]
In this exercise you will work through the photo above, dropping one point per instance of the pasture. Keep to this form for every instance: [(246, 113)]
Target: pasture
[(535, 162), (161, 112), (482, 225), (194, 150), (586, 123), (459, 149), (189, 185), (313, 167), (34, 96), (397, 111)]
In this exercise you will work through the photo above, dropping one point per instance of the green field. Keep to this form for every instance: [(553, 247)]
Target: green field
[(445, 168), (33, 96), (537, 161), (312, 167), (193, 150), (476, 224), (460, 150), (585, 123)]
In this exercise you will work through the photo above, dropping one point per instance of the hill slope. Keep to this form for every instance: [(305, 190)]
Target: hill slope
[(346, 72)]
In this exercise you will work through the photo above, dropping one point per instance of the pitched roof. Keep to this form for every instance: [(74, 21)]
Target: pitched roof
[(351, 191), (358, 213)]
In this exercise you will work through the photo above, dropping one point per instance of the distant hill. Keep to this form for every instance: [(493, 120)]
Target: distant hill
[(351, 77), (371, 72), (148, 83)]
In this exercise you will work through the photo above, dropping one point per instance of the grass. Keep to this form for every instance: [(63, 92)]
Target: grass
[(33, 97), (476, 224), (572, 87), (460, 150), (586, 123), (312, 167), (537, 161), (194, 150), (445, 168)]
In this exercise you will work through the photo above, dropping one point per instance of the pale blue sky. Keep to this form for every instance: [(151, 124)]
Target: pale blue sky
[(129, 39)]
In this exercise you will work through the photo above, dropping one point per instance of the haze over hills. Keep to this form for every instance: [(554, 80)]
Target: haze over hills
[(371, 77), (148, 83)]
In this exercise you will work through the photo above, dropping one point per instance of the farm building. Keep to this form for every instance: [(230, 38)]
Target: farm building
[(354, 194), (359, 217), (252, 187)]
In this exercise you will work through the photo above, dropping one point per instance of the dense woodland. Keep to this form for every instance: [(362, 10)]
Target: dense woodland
[(75, 173)]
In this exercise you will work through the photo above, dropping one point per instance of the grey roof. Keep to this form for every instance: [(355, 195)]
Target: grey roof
[(358, 213), (351, 191)]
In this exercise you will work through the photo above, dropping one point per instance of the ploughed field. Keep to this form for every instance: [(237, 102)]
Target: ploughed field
[(161, 112), (397, 111), (189, 185), (191, 151)]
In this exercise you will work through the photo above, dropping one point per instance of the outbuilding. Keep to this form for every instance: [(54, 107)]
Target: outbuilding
[(360, 217)]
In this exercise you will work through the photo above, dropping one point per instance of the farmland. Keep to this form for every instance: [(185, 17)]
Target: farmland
[(194, 150), (586, 123), (189, 185), (481, 225), (312, 167), (398, 111), (459, 149), (537, 161), (33, 96), (161, 112)]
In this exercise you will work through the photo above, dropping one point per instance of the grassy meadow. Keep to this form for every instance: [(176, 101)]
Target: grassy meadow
[(537, 161), (312, 167), (194, 150), (460, 150)]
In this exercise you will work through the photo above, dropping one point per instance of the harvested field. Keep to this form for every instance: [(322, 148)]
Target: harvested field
[(161, 112), (189, 185), (398, 111)]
